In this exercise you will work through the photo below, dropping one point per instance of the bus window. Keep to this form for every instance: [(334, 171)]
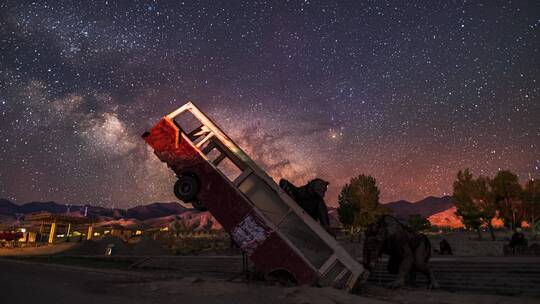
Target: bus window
[(310, 244), (228, 168), (264, 198), (187, 122)]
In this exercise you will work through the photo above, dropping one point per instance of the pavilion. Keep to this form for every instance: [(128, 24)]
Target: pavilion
[(57, 221)]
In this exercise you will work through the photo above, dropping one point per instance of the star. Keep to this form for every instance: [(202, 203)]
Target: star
[(409, 93)]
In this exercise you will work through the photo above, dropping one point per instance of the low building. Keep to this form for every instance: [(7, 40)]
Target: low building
[(57, 225)]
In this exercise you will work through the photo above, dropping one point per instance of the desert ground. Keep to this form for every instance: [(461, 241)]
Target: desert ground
[(464, 243), (29, 282), (65, 273), (34, 251)]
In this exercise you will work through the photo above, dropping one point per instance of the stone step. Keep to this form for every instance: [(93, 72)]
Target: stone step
[(488, 277), (535, 279), (445, 283), (461, 285), (501, 266), (521, 285), (487, 290), (498, 265), (476, 270), (532, 276), (505, 267), (474, 274)]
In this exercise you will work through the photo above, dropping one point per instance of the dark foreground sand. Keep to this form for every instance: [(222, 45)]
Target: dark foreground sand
[(26, 282)]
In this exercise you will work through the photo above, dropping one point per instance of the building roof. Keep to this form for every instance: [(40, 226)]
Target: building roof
[(58, 218)]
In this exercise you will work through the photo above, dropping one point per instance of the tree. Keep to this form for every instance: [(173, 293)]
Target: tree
[(359, 202), (507, 194), (462, 198), (484, 199), (531, 203), (418, 222), (475, 201), (346, 213)]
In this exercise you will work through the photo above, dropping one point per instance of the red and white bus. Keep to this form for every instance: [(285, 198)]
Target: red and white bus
[(214, 174)]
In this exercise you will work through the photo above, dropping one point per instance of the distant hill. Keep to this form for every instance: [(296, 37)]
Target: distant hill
[(42, 206), (163, 214), (7, 207), (155, 210), (155, 215), (189, 220), (402, 209), (142, 212), (446, 218), (426, 207)]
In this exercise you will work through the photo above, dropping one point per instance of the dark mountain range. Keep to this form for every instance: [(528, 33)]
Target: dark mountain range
[(7, 207), (154, 210), (401, 209), (42, 206), (426, 207), (143, 212)]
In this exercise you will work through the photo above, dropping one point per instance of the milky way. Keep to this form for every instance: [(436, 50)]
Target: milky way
[(407, 92)]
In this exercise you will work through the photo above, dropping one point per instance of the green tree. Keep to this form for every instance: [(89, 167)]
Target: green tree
[(484, 199), (507, 194), (475, 201), (346, 213), (464, 189), (531, 203), (359, 202), (418, 222)]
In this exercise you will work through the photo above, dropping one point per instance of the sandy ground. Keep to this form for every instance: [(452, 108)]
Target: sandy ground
[(41, 250), (24, 282)]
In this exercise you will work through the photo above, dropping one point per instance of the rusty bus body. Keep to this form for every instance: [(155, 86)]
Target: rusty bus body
[(214, 174)]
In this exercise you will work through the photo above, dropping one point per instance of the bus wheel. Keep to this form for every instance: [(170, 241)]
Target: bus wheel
[(198, 205), (186, 188)]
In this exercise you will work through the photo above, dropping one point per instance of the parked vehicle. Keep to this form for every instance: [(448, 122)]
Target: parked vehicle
[(214, 174), (10, 236)]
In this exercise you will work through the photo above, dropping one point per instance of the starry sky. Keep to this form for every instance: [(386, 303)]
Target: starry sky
[(407, 91)]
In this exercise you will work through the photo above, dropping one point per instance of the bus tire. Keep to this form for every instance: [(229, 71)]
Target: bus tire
[(186, 188)]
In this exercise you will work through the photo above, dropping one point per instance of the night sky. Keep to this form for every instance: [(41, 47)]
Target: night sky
[(407, 92)]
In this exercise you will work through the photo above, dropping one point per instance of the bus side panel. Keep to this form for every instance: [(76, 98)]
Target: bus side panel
[(226, 203), (216, 194), (275, 254), (163, 136)]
